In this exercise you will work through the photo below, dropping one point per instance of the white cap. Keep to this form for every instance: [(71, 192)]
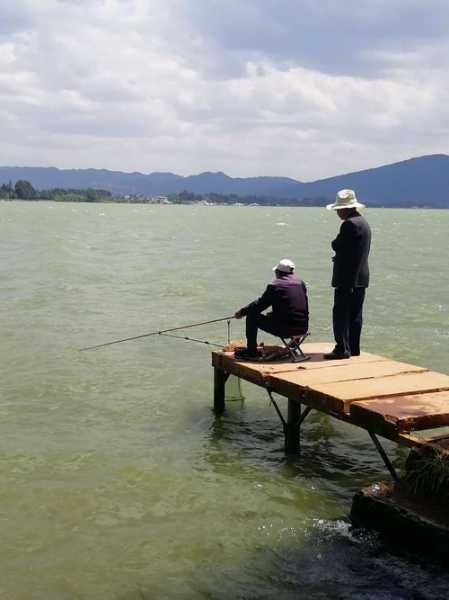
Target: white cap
[(285, 265), (345, 199)]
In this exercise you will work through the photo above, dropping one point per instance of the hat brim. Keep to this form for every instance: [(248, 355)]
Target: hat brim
[(335, 206)]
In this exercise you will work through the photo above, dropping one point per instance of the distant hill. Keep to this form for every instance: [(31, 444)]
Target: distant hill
[(421, 181)]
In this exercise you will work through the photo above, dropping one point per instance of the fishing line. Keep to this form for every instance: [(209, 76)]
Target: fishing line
[(189, 339), (143, 335)]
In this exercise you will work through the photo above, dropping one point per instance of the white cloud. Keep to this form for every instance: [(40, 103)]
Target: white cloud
[(303, 89)]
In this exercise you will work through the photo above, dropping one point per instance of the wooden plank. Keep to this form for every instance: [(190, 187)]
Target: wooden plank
[(316, 350), (252, 371), (349, 372), (341, 394), (316, 353), (289, 384), (256, 372), (399, 414), (433, 438), (434, 433), (317, 361)]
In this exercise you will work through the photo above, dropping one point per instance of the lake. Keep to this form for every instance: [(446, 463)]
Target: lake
[(117, 480)]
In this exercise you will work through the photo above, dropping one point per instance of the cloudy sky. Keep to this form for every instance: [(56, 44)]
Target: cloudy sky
[(299, 88)]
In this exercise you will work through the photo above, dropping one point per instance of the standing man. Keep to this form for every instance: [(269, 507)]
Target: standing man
[(287, 296), (350, 276)]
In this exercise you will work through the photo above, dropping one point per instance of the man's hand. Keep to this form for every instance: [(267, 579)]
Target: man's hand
[(238, 314)]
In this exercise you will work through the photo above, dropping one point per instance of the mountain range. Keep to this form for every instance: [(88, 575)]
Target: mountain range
[(421, 182)]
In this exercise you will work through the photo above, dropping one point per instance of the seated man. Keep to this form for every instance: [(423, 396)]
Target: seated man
[(287, 296)]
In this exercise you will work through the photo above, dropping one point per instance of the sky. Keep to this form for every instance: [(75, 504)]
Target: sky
[(298, 88)]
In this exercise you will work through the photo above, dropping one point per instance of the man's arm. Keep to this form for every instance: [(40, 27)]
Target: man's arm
[(347, 252), (258, 305), (304, 287), (345, 238)]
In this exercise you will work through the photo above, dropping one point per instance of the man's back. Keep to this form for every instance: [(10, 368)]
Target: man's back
[(289, 302)]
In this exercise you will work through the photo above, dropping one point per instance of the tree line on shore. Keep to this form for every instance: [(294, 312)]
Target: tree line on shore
[(230, 199), (24, 190)]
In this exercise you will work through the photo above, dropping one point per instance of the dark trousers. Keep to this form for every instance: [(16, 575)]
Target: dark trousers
[(254, 322), (347, 319)]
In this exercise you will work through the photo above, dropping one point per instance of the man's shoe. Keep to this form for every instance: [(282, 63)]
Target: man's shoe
[(336, 355), (245, 354)]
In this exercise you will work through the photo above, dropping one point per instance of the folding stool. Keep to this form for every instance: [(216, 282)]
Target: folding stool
[(293, 346)]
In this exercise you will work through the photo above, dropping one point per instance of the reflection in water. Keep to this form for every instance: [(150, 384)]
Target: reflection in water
[(331, 451)]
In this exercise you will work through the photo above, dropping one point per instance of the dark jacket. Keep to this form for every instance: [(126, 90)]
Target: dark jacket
[(352, 246), (287, 295)]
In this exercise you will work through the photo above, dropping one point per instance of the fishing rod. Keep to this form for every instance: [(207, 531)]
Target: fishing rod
[(189, 339), (160, 332)]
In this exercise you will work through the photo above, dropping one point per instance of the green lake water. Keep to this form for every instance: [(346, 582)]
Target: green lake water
[(116, 479)]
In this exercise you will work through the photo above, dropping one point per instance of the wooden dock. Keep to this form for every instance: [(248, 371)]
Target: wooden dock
[(402, 402)]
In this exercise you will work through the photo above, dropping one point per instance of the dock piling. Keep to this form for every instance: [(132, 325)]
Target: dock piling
[(292, 428), (220, 378)]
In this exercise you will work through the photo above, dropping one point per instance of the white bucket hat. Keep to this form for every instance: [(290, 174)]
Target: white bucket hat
[(285, 266), (345, 199)]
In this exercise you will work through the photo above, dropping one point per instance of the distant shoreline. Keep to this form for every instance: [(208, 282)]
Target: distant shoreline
[(237, 204), (419, 182)]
